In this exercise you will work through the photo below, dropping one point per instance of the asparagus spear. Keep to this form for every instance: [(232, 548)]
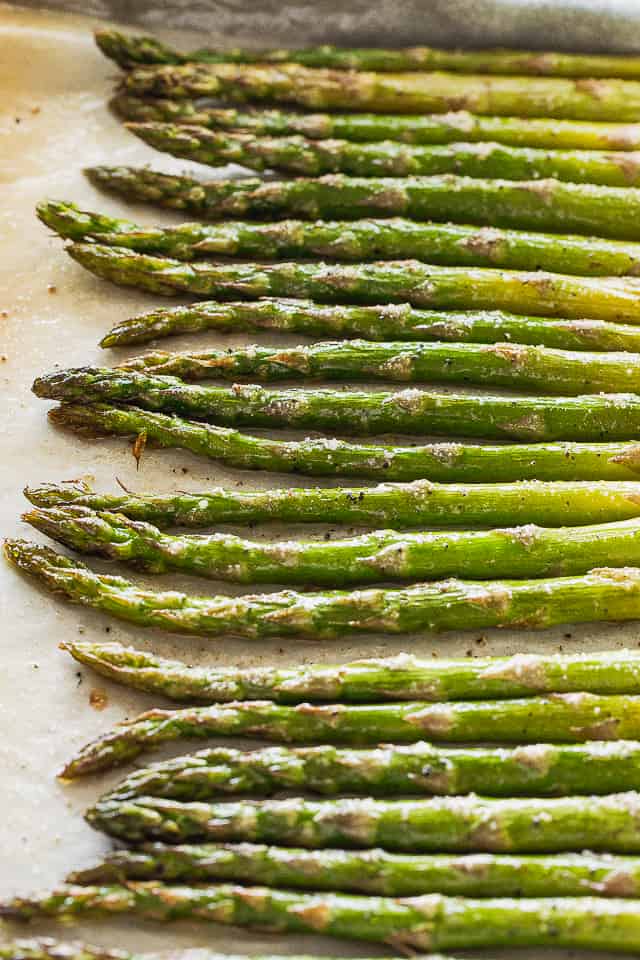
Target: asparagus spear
[(392, 321), (128, 51), (424, 923), (353, 240), (439, 824), (403, 677), (398, 505), (321, 89), (534, 204), (615, 416), (540, 369), (395, 281), (372, 871), (538, 770), (606, 594), (372, 127), (331, 457), (307, 157), (566, 717), (45, 948), (381, 555)]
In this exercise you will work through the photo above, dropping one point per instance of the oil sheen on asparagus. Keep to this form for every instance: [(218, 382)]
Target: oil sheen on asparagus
[(604, 594)]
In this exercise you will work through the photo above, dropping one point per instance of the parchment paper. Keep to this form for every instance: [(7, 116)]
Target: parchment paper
[(53, 121)]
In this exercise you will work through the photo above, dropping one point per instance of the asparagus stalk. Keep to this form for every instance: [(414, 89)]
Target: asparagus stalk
[(429, 922), (372, 127), (605, 594), (331, 457), (392, 321), (395, 281), (381, 555), (303, 156), (403, 677), (615, 416), (540, 369), (45, 948), (566, 717), (439, 824), (553, 504), (129, 51), (321, 89), (372, 871), (353, 240), (391, 771), (531, 205)]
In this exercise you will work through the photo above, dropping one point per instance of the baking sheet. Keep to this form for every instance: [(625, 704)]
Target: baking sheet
[(606, 25), (54, 121)]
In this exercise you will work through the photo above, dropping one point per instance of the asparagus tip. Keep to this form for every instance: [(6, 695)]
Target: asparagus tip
[(51, 386), (163, 136), (101, 175), (115, 46), (74, 647), (53, 494), (19, 552), (42, 520), (46, 210), (65, 219), (40, 561), (70, 416), (22, 552)]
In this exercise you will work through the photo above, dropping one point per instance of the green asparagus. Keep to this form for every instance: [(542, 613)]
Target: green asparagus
[(387, 158), (430, 922), (403, 677), (531, 205), (353, 240), (615, 416), (128, 51), (392, 321), (380, 555), (331, 457), (439, 824), (395, 281), (539, 369), (606, 594), (568, 717), (538, 770), (320, 89), (372, 127), (398, 505), (372, 871)]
